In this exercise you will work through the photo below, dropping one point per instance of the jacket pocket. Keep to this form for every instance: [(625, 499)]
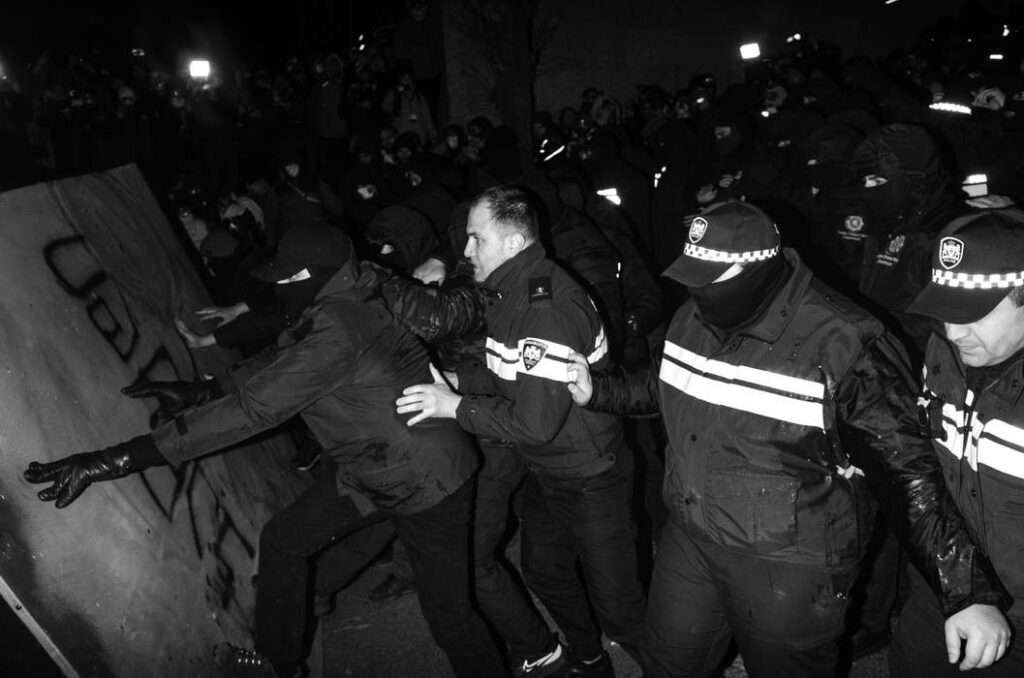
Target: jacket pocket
[(753, 512)]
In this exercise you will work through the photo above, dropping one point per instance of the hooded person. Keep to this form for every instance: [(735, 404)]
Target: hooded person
[(339, 364), (784, 405), (619, 181), (403, 236), (908, 197), (298, 196), (832, 202)]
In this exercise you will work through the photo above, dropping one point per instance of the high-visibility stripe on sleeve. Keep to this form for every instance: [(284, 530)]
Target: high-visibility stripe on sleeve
[(600, 347), (756, 391), (538, 357)]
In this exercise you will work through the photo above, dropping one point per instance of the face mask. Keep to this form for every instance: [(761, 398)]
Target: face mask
[(727, 145), (739, 301), (885, 204), (295, 297), (827, 174)]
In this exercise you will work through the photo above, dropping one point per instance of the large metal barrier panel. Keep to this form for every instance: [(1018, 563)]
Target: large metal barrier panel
[(141, 576)]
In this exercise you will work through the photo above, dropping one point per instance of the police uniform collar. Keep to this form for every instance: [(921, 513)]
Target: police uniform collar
[(780, 312), (509, 275)]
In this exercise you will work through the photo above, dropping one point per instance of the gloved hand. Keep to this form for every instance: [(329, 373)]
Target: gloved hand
[(174, 396), (71, 475)]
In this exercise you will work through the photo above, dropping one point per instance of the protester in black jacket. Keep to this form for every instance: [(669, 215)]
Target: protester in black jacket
[(340, 364)]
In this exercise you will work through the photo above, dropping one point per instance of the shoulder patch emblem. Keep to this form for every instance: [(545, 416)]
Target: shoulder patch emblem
[(951, 252), (540, 289), (854, 223), (533, 352), (698, 227)]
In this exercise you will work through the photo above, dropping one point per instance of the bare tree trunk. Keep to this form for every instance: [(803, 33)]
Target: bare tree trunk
[(488, 43)]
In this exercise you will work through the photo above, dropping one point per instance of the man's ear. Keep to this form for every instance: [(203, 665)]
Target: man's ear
[(515, 241)]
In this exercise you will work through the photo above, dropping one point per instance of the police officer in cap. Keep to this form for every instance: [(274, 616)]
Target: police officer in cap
[(974, 402), (784, 404)]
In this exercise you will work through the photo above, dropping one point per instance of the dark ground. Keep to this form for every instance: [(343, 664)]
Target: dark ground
[(360, 639), (364, 639)]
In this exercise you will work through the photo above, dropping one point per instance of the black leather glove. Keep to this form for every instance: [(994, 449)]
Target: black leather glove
[(71, 475), (174, 396)]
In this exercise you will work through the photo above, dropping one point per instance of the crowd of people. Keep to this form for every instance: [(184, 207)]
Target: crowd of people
[(679, 340)]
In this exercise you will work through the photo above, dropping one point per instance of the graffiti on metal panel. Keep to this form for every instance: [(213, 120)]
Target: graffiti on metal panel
[(216, 538)]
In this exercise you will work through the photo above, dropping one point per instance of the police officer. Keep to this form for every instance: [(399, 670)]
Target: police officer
[(973, 392), (575, 506), (783, 401)]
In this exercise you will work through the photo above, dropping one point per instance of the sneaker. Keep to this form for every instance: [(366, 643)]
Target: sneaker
[(546, 665), (392, 587), (601, 667), (237, 662)]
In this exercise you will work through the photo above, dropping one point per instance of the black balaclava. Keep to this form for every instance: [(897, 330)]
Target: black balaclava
[(295, 297), (737, 302), (887, 205)]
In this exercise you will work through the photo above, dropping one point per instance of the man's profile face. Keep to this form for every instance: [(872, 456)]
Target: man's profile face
[(486, 247), (992, 339)]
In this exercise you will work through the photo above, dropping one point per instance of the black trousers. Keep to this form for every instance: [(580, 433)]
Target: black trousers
[(583, 525), (785, 619), (437, 540), (502, 596)]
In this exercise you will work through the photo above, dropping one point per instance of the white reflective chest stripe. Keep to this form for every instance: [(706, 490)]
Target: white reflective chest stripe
[(1001, 447), (538, 357), (747, 389), (995, 443)]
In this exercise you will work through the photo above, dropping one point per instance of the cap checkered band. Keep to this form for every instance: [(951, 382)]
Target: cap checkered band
[(977, 281), (718, 256)]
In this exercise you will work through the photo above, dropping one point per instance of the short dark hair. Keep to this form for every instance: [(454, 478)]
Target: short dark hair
[(1017, 294), (512, 209)]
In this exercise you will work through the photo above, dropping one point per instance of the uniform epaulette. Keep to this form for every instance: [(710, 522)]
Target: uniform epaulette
[(540, 292)]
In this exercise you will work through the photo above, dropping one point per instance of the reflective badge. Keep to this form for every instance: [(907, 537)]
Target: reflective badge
[(951, 251), (896, 244), (854, 223), (698, 227), (533, 353), (540, 289)]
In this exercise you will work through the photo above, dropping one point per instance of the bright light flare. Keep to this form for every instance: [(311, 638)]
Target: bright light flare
[(199, 68), (749, 51)]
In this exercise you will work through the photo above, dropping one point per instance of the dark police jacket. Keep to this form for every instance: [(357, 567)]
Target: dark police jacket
[(979, 439), (341, 367), (775, 433), (534, 313)]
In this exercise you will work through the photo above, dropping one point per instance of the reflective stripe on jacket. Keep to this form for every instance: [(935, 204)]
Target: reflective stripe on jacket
[(537, 316), (979, 439)]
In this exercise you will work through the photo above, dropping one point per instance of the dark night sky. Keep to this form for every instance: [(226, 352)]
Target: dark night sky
[(255, 33), (174, 29)]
